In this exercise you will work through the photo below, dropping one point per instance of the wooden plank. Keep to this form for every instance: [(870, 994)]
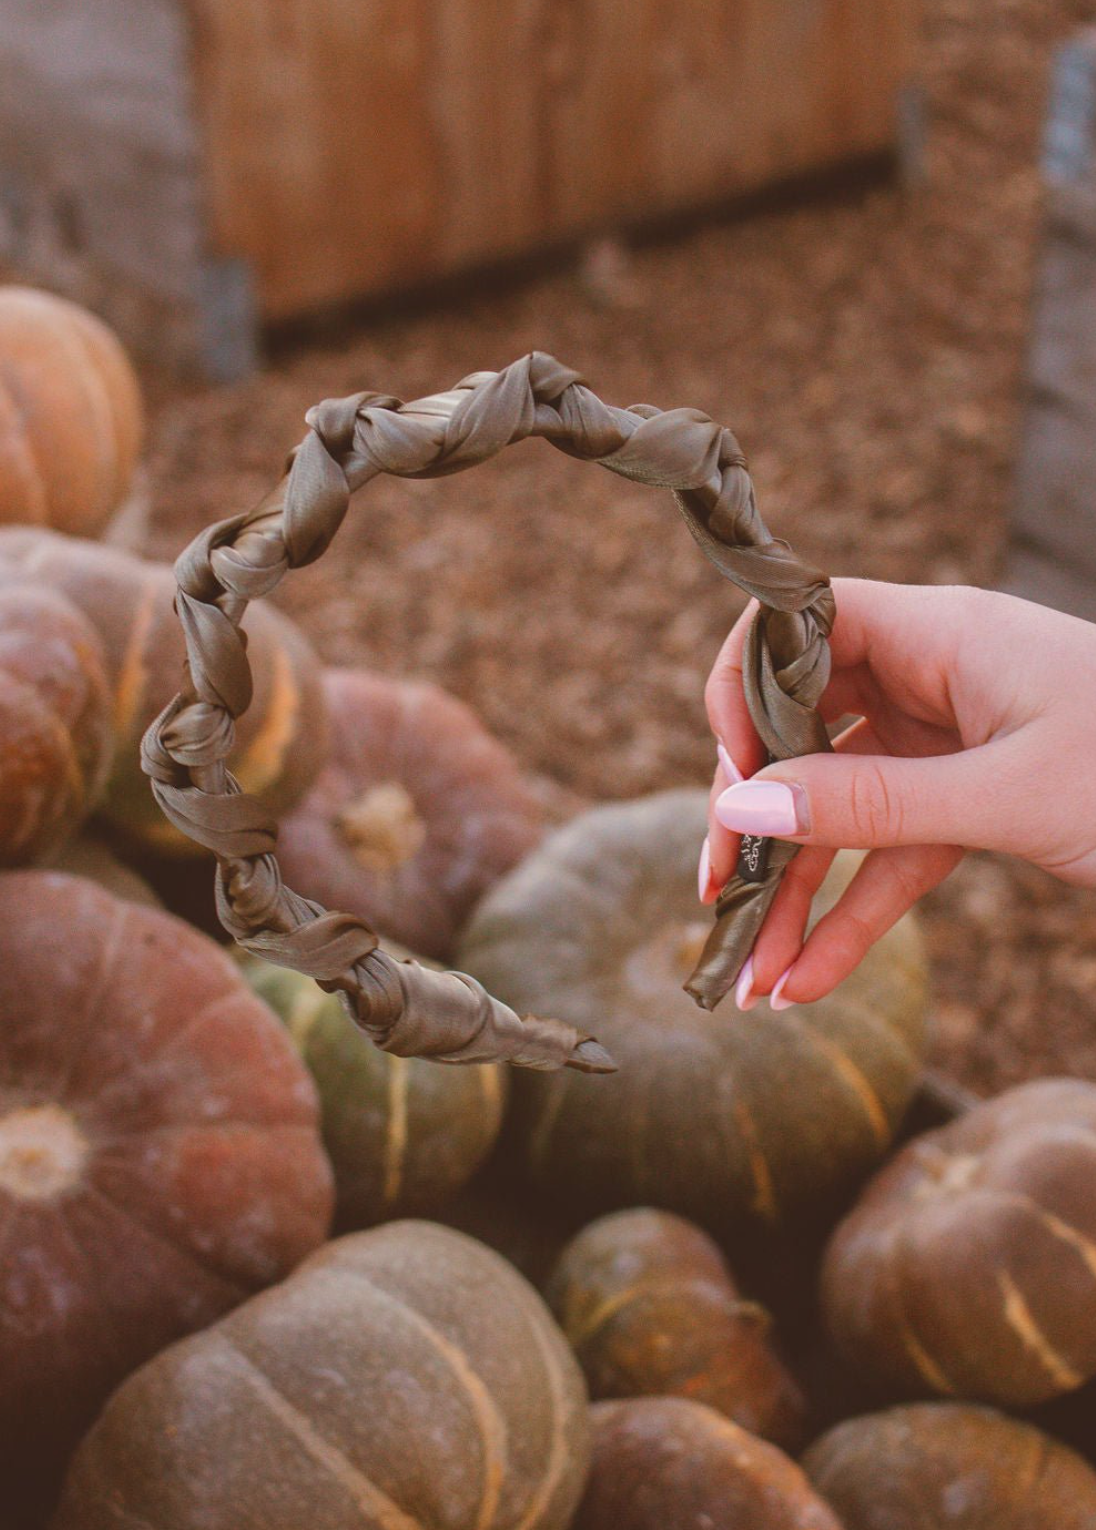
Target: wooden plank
[(1055, 508), (355, 147), (98, 156)]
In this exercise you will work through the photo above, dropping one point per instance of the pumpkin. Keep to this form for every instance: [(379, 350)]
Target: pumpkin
[(665, 1463), (281, 737), (56, 743), (417, 811), (159, 1153), (968, 1267), (405, 1378), (953, 1464), (88, 856), (403, 1135), (70, 414), (650, 1308), (764, 1117)]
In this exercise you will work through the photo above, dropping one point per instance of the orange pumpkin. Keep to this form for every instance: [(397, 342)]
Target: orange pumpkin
[(650, 1308), (70, 414), (663, 1463), (56, 744), (417, 811), (968, 1267), (160, 1156), (281, 739)]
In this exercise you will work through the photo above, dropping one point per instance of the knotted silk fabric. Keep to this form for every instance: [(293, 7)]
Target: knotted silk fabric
[(407, 1009)]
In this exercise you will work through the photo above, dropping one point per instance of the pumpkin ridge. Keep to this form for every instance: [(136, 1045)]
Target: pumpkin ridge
[(37, 480), (263, 760), (1082, 1246), (489, 1420), (85, 369), (557, 1452), (1020, 1318), (927, 1365), (366, 1494), (110, 951), (395, 1138), (132, 674), (651, 1285), (540, 1137), (765, 1201), (107, 1317), (846, 1070), (877, 1020), (188, 1255)]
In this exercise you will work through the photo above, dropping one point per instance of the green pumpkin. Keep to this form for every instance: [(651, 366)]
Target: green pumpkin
[(765, 1118), (403, 1135)]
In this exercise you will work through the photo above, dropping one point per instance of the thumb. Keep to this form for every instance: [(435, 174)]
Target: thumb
[(876, 801)]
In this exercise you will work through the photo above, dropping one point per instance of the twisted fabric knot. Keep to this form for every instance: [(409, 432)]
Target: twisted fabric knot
[(402, 1006)]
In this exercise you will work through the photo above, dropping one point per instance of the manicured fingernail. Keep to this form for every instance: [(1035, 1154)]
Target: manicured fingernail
[(764, 807), (730, 769), (744, 995), (776, 998), (704, 870)]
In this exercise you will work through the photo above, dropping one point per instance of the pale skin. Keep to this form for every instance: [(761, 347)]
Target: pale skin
[(977, 730)]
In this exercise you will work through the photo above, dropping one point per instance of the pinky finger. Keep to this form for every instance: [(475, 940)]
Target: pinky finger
[(887, 885)]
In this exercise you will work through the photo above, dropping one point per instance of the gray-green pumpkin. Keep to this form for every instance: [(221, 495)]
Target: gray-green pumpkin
[(763, 1117), (405, 1378), (403, 1135)]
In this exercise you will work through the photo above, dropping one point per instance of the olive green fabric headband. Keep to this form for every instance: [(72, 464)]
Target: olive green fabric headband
[(407, 1009)]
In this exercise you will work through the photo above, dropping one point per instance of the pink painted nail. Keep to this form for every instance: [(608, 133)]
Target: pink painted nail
[(730, 769), (776, 998), (764, 807), (744, 996), (704, 870)]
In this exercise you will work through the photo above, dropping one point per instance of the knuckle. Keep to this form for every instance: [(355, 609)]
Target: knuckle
[(876, 810)]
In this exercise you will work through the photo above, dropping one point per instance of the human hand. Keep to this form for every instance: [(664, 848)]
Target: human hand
[(977, 730)]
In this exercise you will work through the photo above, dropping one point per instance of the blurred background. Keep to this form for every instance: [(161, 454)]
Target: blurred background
[(823, 222)]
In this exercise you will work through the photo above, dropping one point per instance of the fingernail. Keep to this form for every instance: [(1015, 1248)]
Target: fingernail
[(776, 998), (744, 996), (730, 769), (764, 807), (704, 870)]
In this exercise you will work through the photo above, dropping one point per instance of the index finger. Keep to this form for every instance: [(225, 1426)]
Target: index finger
[(725, 699)]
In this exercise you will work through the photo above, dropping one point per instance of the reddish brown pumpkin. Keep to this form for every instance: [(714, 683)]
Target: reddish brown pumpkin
[(663, 1463), (650, 1308), (405, 1378), (70, 414), (953, 1465), (281, 739), (159, 1153), (968, 1268), (56, 743), (416, 813)]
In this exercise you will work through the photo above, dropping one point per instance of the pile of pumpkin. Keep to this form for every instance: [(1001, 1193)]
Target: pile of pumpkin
[(182, 1347)]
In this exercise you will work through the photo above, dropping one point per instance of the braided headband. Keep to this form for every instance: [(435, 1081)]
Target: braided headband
[(403, 1007)]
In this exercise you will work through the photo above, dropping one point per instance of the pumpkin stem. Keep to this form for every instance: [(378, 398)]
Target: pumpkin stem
[(42, 1152), (382, 827)]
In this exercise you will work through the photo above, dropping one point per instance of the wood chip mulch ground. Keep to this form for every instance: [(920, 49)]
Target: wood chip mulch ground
[(868, 349)]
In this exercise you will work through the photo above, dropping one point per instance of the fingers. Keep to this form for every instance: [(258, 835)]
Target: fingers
[(887, 885), (781, 938), (876, 801)]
